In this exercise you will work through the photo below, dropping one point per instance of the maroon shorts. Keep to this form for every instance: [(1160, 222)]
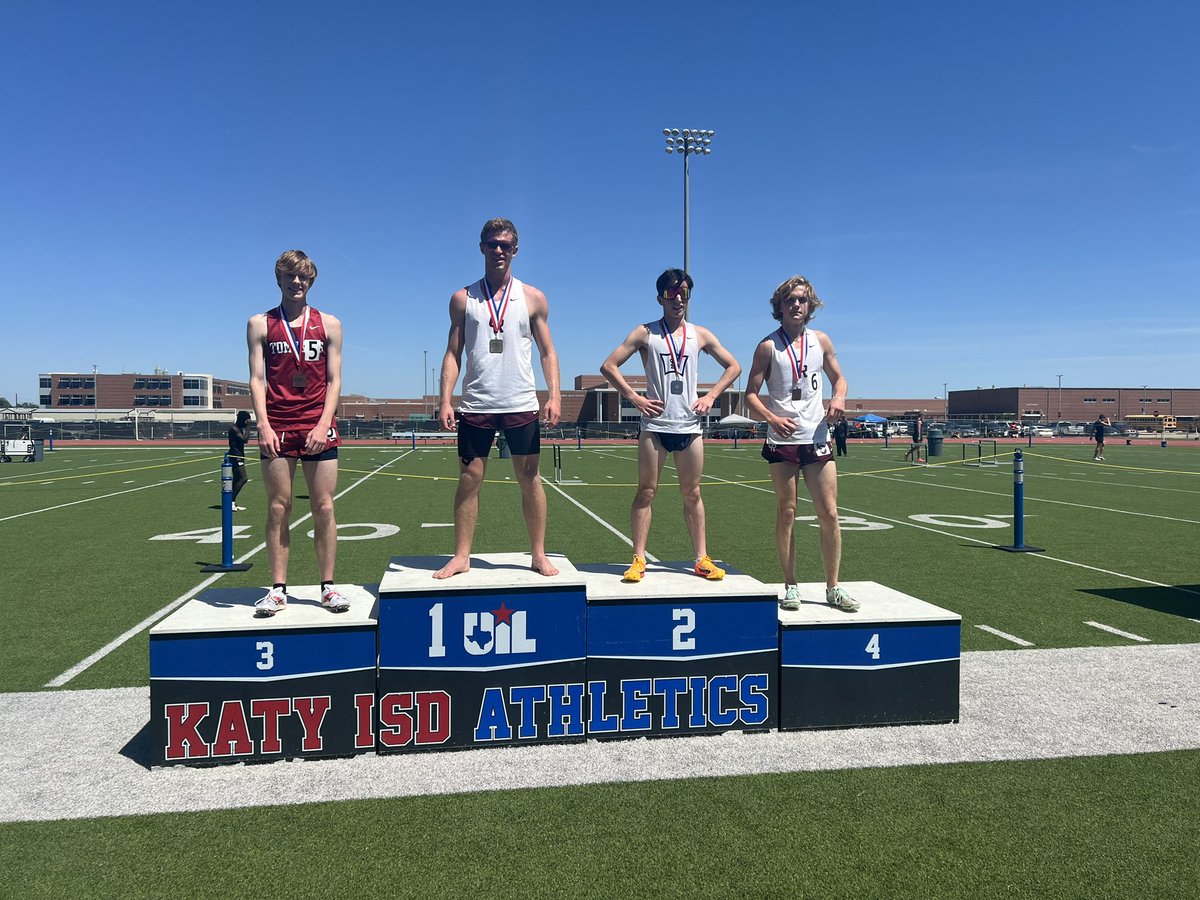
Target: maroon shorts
[(291, 444), (477, 430), (796, 454)]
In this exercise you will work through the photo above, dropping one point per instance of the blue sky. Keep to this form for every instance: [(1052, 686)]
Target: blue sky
[(983, 194)]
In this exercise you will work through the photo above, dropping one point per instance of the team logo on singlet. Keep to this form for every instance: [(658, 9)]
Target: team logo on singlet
[(311, 349), (667, 367)]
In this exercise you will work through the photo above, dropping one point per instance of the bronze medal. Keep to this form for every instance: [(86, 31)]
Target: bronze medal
[(496, 345), (676, 387), (797, 393), (299, 380)]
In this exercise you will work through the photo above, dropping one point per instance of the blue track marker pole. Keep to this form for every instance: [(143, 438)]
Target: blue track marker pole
[(227, 563), (1018, 544), (414, 438), (578, 438), (51, 438)]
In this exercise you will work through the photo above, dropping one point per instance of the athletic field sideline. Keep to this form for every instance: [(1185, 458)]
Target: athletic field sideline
[(101, 542)]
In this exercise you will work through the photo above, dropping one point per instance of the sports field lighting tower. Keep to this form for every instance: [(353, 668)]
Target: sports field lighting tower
[(688, 142)]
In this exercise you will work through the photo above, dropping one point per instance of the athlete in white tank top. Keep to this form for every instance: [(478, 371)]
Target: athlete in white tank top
[(670, 347), (496, 322), (792, 362)]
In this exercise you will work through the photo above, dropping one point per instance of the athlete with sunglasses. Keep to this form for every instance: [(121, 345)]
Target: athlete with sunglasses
[(495, 322)]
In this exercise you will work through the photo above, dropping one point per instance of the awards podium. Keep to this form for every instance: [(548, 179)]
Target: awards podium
[(503, 656)]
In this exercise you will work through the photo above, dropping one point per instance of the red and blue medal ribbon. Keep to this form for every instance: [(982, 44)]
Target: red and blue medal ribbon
[(292, 335), (497, 311), (676, 352), (797, 364)]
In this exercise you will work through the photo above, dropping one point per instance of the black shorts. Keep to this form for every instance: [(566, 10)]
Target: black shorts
[(477, 430), (673, 443), (796, 454)]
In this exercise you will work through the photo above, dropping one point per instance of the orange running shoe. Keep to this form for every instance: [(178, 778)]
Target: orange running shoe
[(636, 570), (706, 569)]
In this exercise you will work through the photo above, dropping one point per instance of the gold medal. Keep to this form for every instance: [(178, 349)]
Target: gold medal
[(299, 380), (496, 345)]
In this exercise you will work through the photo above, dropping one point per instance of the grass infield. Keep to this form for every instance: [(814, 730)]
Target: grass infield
[(85, 568)]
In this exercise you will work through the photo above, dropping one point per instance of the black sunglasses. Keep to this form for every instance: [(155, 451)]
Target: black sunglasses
[(506, 246)]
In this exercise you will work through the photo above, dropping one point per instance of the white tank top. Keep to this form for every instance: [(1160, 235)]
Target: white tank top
[(808, 411), (678, 416), (497, 382)]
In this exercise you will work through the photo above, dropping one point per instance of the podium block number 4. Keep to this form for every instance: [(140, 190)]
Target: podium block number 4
[(873, 646), (680, 639)]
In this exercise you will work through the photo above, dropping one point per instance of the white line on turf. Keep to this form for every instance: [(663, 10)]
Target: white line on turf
[(1020, 642), (1118, 632), (85, 664), (962, 537), (613, 529), (1028, 499), (34, 512)]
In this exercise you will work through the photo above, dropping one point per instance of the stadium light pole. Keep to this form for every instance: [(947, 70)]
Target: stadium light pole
[(1059, 419), (946, 396), (688, 142), (425, 396)]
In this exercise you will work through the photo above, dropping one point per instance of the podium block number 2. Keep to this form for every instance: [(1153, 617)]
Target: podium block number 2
[(680, 634)]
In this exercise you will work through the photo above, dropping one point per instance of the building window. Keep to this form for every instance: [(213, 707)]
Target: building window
[(191, 401), (193, 384), (1089, 399), (44, 383), (44, 399)]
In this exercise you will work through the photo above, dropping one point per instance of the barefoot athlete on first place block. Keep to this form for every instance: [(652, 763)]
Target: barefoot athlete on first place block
[(295, 383), (495, 321)]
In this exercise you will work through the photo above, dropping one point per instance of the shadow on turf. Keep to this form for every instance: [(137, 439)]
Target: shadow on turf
[(137, 749), (1160, 599)]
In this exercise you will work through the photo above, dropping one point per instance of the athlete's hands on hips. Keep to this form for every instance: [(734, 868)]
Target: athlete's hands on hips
[(446, 417), (268, 441), (785, 427), (317, 440), (651, 409), (551, 413), (702, 405)]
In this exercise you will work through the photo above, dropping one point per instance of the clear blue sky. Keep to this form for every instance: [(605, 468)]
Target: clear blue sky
[(982, 193)]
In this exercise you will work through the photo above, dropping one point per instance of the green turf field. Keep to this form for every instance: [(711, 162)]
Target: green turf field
[(99, 541)]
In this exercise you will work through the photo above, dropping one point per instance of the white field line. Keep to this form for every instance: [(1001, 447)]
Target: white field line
[(1020, 642), (34, 512), (1119, 484), (85, 664), (613, 529), (963, 537), (1028, 499), (1118, 632)]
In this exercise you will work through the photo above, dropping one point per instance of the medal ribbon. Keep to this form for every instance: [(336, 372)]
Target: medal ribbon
[(497, 311), (797, 365), (676, 352), (292, 335)]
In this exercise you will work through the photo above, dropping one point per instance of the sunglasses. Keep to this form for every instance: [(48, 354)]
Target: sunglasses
[(680, 290), (506, 246)]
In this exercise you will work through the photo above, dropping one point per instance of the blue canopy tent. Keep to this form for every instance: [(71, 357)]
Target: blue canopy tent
[(870, 417)]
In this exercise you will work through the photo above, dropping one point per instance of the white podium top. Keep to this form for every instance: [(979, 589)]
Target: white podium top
[(232, 609), (504, 571), (669, 581), (879, 604)]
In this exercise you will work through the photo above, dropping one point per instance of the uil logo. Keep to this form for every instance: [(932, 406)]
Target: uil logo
[(501, 631), (668, 367)]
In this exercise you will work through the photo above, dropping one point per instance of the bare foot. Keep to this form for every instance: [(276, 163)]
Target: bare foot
[(456, 566), (543, 566)]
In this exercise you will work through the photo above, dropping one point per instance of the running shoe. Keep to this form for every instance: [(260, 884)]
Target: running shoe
[(837, 596), (273, 602), (706, 569), (334, 601), (636, 570), (791, 597), (237, 508)]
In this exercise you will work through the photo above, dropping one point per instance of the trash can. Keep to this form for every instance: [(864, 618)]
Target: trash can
[(935, 442), (502, 446), (39, 451)]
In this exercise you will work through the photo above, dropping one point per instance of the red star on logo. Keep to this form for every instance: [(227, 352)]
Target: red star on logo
[(503, 614)]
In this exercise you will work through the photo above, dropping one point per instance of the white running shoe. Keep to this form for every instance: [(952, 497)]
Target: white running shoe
[(837, 596), (273, 602), (237, 508), (334, 601), (791, 598)]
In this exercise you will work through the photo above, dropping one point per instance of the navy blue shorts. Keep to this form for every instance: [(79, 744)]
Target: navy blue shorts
[(673, 443), (476, 431)]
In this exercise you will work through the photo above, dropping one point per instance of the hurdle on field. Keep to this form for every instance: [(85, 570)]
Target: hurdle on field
[(974, 455), (558, 476)]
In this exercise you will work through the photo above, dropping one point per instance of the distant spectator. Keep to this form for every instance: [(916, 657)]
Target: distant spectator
[(840, 430), (1098, 432), (237, 454), (918, 435)]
